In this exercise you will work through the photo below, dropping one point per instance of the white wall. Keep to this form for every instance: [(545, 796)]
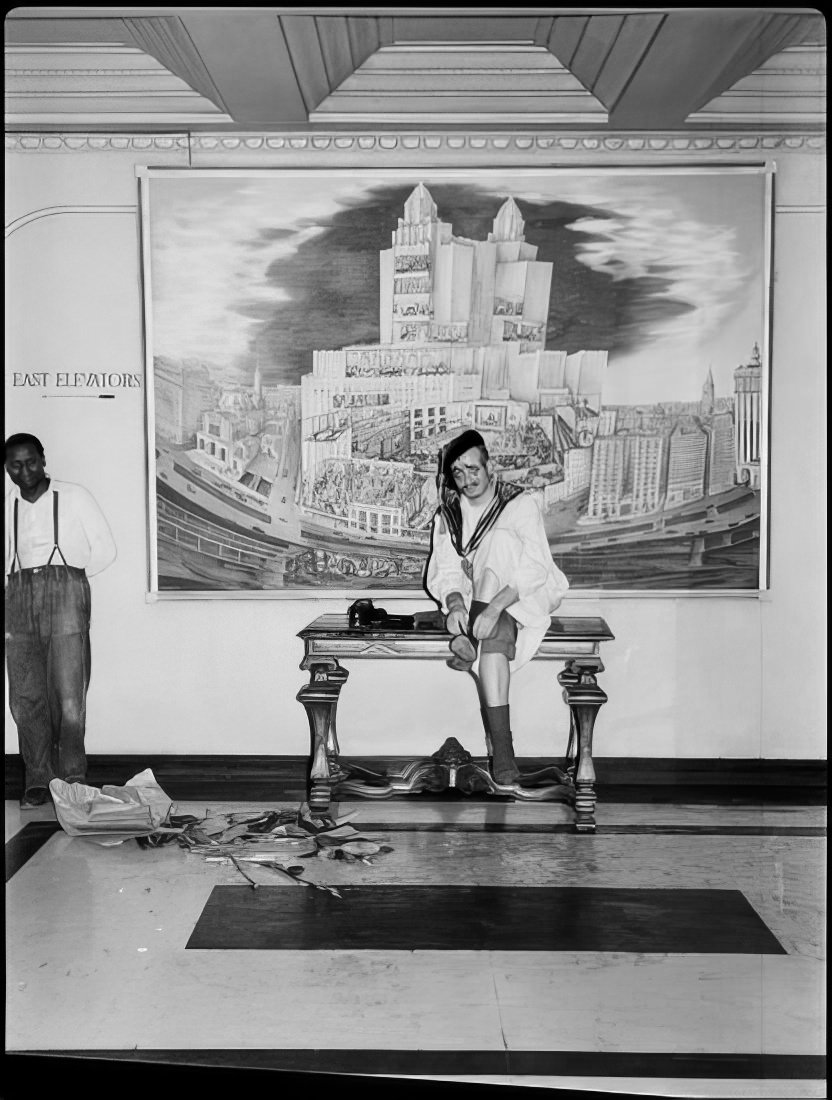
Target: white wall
[(687, 677)]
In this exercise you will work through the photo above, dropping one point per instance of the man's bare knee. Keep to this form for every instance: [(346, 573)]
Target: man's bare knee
[(495, 678)]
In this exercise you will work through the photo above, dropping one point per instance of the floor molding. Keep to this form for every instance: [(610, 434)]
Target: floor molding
[(544, 827), (619, 779), (538, 1063)]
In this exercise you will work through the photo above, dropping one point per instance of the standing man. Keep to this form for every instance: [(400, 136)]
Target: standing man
[(492, 572), (56, 536)]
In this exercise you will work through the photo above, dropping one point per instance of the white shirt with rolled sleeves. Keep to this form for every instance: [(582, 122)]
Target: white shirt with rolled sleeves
[(84, 536), (540, 584)]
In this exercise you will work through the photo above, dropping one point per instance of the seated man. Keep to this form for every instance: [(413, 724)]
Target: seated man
[(491, 571)]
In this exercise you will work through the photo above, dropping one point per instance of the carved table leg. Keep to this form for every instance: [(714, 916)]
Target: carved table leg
[(569, 678), (320, 700), (584, 699)]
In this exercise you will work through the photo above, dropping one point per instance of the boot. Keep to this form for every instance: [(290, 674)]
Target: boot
[(503, 765), (489, 748)]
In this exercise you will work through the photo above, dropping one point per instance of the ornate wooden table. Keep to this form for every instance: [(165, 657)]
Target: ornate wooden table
[(329, 639)]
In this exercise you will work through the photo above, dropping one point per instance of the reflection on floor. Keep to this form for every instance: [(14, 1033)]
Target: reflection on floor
[(679, 951)]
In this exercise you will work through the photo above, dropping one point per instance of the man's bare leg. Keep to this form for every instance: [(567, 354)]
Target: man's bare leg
[(495, 679)]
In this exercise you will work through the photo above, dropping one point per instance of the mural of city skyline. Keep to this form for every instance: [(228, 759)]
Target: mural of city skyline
[(318, 337)]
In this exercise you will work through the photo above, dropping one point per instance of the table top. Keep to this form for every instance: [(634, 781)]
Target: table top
[(562, 628)]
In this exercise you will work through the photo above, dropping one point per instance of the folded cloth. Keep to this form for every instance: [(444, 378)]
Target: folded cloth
[(137, 809)]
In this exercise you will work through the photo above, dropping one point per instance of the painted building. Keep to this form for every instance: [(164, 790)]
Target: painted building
[(629, 475), (646, 468), (707, 401), (748, 419), (607, 481), (577, 470), (721, 471), (182, 392), (687, 462), (462, 327), (607, 421)]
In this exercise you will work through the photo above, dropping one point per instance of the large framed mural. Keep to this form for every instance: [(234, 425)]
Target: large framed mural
[(314, 337)]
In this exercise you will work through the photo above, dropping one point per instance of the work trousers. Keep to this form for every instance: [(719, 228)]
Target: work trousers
[(48, 661)]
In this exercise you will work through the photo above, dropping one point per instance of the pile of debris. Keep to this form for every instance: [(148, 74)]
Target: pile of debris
[(270, 838)]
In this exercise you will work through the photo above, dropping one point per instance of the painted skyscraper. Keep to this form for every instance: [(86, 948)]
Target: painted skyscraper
[(748, 419), (462, 326)]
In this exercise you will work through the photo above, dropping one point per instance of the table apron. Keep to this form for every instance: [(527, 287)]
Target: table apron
[(430, 649)]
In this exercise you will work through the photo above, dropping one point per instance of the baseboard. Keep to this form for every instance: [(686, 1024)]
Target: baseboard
[(619, 779)]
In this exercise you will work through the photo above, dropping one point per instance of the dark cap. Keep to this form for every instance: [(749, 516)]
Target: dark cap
[(458, 447)]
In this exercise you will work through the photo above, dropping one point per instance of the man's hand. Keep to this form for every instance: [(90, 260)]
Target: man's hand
[(485, 624), (457, 621)]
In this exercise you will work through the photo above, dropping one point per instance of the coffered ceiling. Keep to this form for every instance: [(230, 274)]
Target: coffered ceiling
[(221, 68)]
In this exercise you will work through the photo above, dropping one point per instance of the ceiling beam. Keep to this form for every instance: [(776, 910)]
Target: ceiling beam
[(307, 53), (630, 46), (251, 65), (676, 74), (167, 40), (771, 34)]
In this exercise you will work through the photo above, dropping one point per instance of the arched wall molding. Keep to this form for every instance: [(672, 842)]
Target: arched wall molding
[(442, 143), (37, 215)]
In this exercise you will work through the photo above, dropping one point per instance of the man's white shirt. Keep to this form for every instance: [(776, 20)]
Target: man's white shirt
[(539, 582), (84, 536)]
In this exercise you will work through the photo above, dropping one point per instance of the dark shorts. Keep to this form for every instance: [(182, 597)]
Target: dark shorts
[(504, 638)]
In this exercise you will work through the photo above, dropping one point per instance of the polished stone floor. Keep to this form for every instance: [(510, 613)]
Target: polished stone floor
[(97, 962)]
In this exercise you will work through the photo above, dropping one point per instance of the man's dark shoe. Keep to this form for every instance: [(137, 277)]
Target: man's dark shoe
[(464, 653), (458, 665), (34, 798), (462, 647)]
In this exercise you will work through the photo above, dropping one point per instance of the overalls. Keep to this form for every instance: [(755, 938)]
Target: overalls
[(48, 659)]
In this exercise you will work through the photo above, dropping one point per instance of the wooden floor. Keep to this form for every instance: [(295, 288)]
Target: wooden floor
[(679, 951)]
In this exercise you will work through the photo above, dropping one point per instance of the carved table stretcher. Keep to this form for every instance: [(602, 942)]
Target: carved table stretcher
[(327, 640)]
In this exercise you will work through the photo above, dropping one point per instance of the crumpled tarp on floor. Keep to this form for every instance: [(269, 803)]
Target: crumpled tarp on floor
[(273, 839), (110, 815)]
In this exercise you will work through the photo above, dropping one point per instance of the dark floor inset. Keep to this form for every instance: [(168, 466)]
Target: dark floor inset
[(482, 918), (537, 1063), (22, 846)]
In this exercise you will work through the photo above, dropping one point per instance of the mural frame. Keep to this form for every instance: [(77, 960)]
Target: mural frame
[(460, 176)]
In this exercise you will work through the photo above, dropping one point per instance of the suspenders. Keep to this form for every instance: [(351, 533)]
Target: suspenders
[(55, 546)]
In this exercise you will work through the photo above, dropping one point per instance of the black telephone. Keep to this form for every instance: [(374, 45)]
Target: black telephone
[(363, 614)]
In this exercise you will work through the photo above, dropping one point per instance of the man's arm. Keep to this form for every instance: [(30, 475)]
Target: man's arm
[(99, 536), (457, 618), (538, 576)]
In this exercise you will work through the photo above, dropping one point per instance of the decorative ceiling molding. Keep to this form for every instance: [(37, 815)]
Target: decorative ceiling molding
[(169, 42), (693, 55), (603, 51), (789, 87), (462, 83), (272, 69), (671, 144), (95, 83)]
